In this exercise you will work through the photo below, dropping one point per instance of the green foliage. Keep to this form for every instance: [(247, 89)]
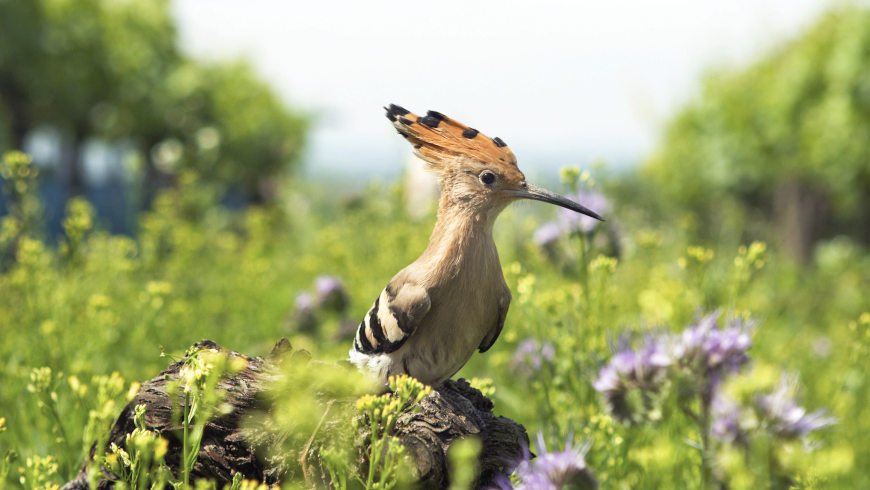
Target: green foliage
[(113, 70), (19, 188), (104, 393), (197, 384), (799, 117), (84, 66), (313, 403), (381, 413), (223, 122), (140, 465), (463, 463), (198, 271), (38, 473)]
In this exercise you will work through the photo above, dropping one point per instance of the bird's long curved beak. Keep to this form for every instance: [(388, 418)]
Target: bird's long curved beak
[(540, 194)]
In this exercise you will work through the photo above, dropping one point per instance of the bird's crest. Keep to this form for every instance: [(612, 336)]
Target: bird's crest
[(440, 140)]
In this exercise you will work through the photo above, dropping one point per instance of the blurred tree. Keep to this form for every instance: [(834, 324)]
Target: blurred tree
[(104, 59), (112, 69), (787, 138), (21, 28), (228, 126)]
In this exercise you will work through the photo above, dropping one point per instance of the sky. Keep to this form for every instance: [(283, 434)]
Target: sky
[(562, 82)]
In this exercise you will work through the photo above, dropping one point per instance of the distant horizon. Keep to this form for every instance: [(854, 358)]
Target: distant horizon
[(538, 165), (561, 82)]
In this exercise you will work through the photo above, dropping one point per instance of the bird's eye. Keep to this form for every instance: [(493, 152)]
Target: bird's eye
[(487, 177)]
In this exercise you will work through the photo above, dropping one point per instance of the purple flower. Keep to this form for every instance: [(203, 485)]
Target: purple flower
[(781, 416), (532, 355), (547, 233), (698, 358), (551, 470), (331, 294), (638, 368), (712, 350), (628, 370), (303, 314), (726, 419), (785, 417), (304, 302), (594, 200), (548, 352), (568, 222), (555, 470)]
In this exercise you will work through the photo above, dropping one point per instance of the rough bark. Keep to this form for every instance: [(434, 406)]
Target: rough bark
[(452, 412)]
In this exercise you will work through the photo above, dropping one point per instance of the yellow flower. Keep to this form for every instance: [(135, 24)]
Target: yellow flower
[(99, 301), (569, 175), (603, 262), (700, 254), (134, 389), (77, 386)]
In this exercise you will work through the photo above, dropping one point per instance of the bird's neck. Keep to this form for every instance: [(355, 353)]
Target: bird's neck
[(461, 239)]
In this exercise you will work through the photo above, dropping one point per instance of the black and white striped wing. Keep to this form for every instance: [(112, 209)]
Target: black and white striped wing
[(392, 319)]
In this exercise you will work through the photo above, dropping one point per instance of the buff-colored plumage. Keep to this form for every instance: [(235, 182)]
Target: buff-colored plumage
[(453, 299)]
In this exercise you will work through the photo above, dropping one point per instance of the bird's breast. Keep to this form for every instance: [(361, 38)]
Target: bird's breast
[(463, 312)]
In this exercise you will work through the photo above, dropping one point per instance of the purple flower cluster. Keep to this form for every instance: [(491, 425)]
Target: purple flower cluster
[(704, 351), (784, 417), (712, 350), (780, 415), (304, 303), (303, 313), (331, 294), (628, 370), (531, 355), (568, 222), (553, 470), (547, 233), (697, 360)]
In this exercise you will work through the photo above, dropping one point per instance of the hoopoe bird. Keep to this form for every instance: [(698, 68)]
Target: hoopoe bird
[(453, 299)]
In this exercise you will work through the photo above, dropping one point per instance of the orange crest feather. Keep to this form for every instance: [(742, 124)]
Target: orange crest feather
[(440, 140)]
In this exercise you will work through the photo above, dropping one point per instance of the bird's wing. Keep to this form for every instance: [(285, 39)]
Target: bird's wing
[(503, 304), (393, 318)]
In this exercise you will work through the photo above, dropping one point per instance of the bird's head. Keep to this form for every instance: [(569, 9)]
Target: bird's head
[(477, 172)]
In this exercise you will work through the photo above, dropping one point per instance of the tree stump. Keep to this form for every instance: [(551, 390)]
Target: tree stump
[(451, 412)]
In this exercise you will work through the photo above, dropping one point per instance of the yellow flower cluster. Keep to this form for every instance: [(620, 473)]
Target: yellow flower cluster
[(753, 256), (699, 255), (604, 263), (40, 379), (16, 167), (196, 368)]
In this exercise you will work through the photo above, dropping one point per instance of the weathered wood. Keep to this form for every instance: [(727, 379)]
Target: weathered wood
[(453, 411)]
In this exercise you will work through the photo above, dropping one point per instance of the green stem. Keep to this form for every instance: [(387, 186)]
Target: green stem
[(52, 409), (547, 382), (184, 443), (584, 270), (706, 474), (136, 472), (374, 457)]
